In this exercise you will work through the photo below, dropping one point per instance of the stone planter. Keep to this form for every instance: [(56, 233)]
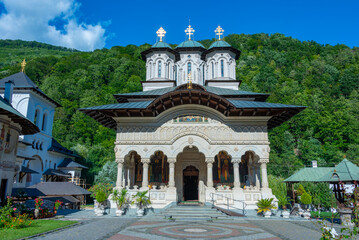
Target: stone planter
[(267, 214), (346, 216), (100, 212), (285, 214), (306, 215), (119, 212), (140, 212)]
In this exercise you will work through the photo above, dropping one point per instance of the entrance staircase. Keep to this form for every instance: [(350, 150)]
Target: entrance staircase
[(192, 213)]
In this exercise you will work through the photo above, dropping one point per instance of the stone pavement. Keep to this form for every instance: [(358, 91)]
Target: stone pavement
[(154, 227)]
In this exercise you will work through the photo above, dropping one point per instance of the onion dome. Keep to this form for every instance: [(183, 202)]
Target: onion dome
[(219, 44), (161, 45), (190, 44)]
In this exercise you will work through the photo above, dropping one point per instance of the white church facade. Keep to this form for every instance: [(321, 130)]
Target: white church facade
[(192, 134)]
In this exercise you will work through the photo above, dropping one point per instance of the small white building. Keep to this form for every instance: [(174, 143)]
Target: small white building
[(12, 124), (40, 152)]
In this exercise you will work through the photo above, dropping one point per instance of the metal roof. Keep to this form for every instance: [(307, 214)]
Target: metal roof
[(127, 105), (59, 189), (56, 172), (69, 163), (161, 45), (190, 44), (253, 104), (220, 43), (27, 170), (57, 147), (309, 174), (22, 81), (27, 126)]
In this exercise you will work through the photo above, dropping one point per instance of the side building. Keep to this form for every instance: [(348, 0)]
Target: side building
[(40, 152), (12, 125)]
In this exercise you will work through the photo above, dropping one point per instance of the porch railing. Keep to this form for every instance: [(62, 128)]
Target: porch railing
[(228, 199)]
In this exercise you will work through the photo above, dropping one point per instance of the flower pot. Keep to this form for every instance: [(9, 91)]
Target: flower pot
[(285, 214), (306, 214), (119, 212), (37, 213), (140, 212), (267, 214), (55, 211)]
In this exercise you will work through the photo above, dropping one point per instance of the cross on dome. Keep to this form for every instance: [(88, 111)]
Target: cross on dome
[(189, 31), (189, 81), (161, 33), (23, 64), (219, 31)]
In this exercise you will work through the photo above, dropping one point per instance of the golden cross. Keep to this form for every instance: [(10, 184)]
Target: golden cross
[(189, 31), (219, 31), (189, 83), (161, 33), (23, 64)]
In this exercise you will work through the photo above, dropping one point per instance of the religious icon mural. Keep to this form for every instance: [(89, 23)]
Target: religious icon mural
[(159, 168), (191, 119), (138, 169), (223, 168), (243, 171)]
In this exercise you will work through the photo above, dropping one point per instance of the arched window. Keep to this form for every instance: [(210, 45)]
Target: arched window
[(36, 118), (175, 73), (189, 68), (44, 119), (222, 68), (212, 70), (203, 73), (54, 165), (159, 68)]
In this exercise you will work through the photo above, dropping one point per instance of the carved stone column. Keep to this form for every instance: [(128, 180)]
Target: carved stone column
[(145, 162), (237, 182), (264, 172), (119, 172), (171, 182), (209, 161)]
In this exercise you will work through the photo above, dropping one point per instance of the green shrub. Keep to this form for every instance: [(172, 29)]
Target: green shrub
[(101, 197), (300, 190), (306, 198), (265, 204)]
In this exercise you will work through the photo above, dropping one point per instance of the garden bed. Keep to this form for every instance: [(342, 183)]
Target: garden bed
[(38, 226)]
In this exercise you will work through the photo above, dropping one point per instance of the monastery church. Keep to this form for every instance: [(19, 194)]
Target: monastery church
[(192, 134)]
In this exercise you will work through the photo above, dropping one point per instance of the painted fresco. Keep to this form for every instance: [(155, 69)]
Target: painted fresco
[(222, 168), (138, 169), (159, 168), (191, 119)]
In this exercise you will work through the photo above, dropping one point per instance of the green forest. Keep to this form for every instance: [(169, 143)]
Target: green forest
[(322, 77)]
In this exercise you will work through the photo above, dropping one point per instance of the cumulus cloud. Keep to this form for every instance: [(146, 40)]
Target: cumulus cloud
[(31, 20)]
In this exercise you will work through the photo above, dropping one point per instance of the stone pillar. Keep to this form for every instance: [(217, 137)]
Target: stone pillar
[(264, 172), (145, 162), (237, 182), (209, 161), (119, 172), (171, 182)]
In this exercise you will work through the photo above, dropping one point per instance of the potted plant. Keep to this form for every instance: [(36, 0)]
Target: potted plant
[(56, 206), (38, 203), (265, 206), (282, 202), (121, 199), (306, 199), (101, 198), (142, 200)]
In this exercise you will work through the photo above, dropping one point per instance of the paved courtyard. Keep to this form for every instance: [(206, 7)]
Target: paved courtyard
[(151, 227)]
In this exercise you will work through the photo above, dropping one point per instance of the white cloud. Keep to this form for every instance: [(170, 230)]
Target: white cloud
[(29, 20)]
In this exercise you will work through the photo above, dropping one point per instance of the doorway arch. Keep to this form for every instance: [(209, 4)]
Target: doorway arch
[(190, 183)]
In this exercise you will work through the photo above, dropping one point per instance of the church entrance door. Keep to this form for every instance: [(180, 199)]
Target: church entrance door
[(190, 184)]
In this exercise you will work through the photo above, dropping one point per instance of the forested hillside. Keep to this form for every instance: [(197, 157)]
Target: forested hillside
[(324, 78)]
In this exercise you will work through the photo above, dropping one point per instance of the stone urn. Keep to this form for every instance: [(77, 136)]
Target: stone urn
[(119, 212), (306, 214), (285, 214), (267, 214), (100, 211), (140, 212), (346, 216), (36, 213), (300, 212)]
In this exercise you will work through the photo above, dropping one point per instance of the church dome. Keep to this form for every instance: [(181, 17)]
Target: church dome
[(161, 45), (190, 44), (219, 44)]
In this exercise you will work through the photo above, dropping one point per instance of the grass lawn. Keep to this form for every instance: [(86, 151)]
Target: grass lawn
[(37, 226), (87, 206), (324, 215)]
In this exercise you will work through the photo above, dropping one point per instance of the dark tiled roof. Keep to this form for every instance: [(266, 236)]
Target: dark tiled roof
[(57, 147), (252, 104), (127, 105), (56, 189), (55, 172), (27, 170), (27, 127), (69, 163), (22, 81)]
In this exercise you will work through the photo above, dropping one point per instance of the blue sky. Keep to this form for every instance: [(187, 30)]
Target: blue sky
[(91, 24)]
